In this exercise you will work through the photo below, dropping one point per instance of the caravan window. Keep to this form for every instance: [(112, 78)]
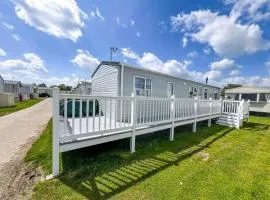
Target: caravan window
[(170, 89), (143, 86), (205, 93)]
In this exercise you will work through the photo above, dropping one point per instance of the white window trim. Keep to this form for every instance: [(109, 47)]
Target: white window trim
[(144, 77)]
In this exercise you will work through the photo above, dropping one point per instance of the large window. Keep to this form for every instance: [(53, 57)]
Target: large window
[(262, 97), (143, 86), (251, 97)]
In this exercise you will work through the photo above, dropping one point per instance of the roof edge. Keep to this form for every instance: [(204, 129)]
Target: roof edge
[(145, 69)]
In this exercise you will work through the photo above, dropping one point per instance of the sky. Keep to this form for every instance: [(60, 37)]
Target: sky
[(63, 41)]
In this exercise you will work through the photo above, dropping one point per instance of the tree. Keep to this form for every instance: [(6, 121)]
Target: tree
[(42, 85), (62, 87), (68, 88)]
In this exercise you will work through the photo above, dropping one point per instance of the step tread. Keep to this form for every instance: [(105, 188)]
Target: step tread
[(224, 124)]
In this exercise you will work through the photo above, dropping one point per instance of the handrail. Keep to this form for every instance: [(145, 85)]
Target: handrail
[(96, 116)]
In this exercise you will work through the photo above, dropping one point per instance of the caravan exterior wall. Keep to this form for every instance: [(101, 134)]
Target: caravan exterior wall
[(159, 82), (106, 82)]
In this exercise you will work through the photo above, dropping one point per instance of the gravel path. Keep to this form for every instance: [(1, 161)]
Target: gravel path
[(17, 133)]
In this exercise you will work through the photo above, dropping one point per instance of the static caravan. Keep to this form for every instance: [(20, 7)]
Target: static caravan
[(121, 79), (83, 87), (1, 84), (259, 97), (11, 86), (26, 90)]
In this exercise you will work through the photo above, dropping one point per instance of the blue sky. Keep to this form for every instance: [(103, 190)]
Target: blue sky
[(62, 41)]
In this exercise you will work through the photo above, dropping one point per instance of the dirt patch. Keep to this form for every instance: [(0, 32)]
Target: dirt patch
[(17, 180), (18, 132), (205, 156)]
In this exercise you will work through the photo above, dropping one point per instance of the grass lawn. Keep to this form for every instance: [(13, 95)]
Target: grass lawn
[(19, 106), (214, 163)]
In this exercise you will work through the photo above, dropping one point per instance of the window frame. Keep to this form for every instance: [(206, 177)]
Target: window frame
[(134, 85)]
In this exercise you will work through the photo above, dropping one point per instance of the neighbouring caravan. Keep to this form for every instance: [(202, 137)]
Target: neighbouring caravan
[(121, 79), (1, 84), (259, 97)]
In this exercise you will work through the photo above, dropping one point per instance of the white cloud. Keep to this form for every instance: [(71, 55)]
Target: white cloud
[(16, 37), (96, 13), (184, 42), (213, 74), (132, 22), (224, 64), (138, 34), (61, 18), (151, 61), (26, 77), (252, 81), (127, 52), (85, 60), (253, 10), (119, 23), (31, 63), (226, 36), (55, 80), (8, 26), (217, 75), (2, 52), (234, 72), (192, 54)]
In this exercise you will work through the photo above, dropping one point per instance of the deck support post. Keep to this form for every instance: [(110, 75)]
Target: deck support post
[(210, 112), (55, 143), (194, 126), (172, 117), (133, 121)]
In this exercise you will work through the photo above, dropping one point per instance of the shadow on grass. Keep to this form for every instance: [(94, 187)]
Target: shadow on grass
[(101, 171), (251, 126)]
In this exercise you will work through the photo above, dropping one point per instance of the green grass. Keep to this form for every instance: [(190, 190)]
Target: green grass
[(19, 106), (214, 163)]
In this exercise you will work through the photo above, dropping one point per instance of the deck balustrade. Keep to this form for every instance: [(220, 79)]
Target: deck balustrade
[(85, 120)]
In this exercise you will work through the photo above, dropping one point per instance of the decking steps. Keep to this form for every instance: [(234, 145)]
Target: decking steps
[(230, 120)]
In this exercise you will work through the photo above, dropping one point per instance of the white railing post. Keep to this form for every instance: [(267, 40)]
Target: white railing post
[(222, 102), (210, 112), (248, 110), (133, 121), (194, 128), (172, 113), (55, 143), (239, 114)]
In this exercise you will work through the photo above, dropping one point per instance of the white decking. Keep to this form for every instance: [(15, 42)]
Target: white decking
[(116, 118), (91, 124)]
